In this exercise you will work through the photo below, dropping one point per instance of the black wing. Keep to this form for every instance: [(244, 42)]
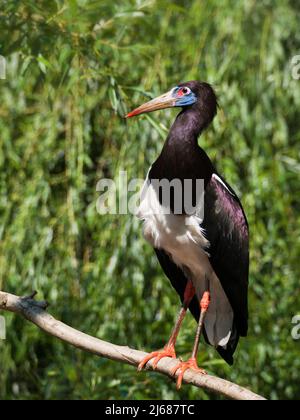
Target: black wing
[(226, 228)]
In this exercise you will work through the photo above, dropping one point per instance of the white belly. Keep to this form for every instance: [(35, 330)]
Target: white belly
[(184, 240)]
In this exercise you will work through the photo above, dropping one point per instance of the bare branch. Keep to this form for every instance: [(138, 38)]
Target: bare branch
[(34, 312)]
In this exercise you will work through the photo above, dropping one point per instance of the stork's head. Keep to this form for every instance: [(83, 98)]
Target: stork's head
[(195, 95)]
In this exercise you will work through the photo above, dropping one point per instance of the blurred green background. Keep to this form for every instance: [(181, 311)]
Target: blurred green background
[(73, 69)]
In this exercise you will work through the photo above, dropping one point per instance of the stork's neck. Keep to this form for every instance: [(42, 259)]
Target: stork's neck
[(181, 157), (187, 126)]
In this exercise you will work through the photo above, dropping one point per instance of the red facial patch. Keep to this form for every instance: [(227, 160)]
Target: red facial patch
[(180, 92)]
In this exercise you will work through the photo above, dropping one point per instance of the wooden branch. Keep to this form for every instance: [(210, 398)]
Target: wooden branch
[(35, 312)]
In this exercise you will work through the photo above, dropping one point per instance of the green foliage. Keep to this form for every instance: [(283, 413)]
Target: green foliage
[(74, 67)]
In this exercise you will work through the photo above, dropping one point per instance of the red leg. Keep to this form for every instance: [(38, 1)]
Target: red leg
[(169, 349), (192, 362)]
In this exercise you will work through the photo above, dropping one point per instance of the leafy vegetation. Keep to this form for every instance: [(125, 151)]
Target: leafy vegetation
[(73, 69)]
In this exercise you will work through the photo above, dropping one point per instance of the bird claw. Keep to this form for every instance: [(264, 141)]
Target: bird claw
[(182, 367), (167, 351)]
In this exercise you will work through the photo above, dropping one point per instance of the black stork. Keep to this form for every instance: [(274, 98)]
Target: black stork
[(206, 257)]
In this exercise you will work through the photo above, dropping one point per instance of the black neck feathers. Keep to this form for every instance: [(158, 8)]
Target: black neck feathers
[(181, 157)]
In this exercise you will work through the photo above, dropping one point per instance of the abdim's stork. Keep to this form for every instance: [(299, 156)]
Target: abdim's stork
[(205, 256)]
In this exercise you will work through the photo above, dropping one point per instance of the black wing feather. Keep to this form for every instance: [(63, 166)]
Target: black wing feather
[(226, 228)]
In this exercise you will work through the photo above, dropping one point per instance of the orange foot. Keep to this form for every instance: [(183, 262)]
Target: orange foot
[(182, 367), (167, 351)]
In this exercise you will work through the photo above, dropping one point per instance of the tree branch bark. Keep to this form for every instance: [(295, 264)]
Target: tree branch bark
[(35, 312)]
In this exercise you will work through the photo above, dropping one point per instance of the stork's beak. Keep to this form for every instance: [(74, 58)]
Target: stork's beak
[(167, 100)]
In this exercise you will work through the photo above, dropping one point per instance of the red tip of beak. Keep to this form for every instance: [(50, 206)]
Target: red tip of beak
[(131, 114)]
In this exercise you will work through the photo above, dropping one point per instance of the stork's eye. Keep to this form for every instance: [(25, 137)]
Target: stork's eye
[(186, 90), (183, 91)]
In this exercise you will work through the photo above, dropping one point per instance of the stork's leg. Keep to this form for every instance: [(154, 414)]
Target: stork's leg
[(192, 362), (169, 349)]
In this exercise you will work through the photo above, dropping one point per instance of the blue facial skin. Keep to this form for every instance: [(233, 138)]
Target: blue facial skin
[(185, 100)]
